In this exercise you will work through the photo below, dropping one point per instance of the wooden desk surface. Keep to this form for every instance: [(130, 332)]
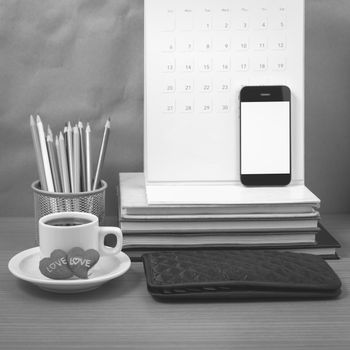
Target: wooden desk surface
[(122, 314)]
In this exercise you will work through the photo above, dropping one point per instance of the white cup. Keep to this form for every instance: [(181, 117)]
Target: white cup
[(67, 230)]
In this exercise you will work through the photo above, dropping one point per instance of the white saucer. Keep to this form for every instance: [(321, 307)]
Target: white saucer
[(25, 266)]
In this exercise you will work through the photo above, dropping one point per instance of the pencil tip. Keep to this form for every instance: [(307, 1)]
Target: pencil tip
[(49, 138), (108, 123), (31, 119), (38, 118), (80, 124)]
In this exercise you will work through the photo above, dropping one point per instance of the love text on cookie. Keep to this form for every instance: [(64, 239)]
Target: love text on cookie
[(80, 261), (57, 263)]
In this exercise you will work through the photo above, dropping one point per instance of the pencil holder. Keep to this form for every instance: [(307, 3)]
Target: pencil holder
[(53, 202)]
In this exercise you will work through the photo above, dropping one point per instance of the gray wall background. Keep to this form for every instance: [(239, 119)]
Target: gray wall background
[(83, 60)]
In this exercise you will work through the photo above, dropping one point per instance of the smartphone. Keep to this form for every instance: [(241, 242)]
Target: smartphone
[(265, 135)]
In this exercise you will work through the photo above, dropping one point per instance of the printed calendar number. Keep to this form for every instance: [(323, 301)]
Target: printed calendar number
[(185, 104), (205, 64), (205, 85), (224, 87), (184, 84), (169, 106), (188, 108), (169, 86), (206, 108), (224, 108), (205, 19), (242, 66)]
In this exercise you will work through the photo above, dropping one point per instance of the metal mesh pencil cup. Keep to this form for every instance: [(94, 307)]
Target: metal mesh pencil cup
[(53, 202)]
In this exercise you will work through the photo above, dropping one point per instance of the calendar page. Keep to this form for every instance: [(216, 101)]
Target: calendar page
[(198, 56)]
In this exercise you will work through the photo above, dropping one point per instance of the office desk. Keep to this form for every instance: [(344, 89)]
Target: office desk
[(122, 314)]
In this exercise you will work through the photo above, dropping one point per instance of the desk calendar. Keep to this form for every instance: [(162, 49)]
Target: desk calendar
[(198, 56)]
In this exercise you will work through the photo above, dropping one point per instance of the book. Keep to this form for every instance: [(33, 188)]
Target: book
[(217, 217), (222, 238), (227, 193), (133, 201), (325, 245), (210, 222), (220, 225)]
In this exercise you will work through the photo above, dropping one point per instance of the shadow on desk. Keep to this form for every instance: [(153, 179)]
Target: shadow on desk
[(247, 300), (116, 288)]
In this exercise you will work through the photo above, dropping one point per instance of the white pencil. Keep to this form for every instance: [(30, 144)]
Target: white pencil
[(59, 161), (76, 158), (101, 157), (82, 156), (65, 131), (53, 161), (88, 157), (70, 155), (65, 170), (47, 169), (38, 156)]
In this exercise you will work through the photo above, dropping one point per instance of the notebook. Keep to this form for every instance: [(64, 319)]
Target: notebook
[(324, 246), (133, 201)]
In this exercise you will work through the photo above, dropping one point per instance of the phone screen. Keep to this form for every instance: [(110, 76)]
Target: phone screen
[(265, 137)]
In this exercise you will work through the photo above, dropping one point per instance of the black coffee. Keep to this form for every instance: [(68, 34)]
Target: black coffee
[(67, 222)]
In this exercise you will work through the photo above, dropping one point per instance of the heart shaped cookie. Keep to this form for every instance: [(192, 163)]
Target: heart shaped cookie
[(56, 266), (81, 261)]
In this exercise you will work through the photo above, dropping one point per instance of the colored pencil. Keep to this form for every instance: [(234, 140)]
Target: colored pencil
[(45, 156), (102, 154), (38, 156)]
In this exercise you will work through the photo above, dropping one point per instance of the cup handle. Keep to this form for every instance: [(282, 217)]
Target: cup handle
[(103, 231)]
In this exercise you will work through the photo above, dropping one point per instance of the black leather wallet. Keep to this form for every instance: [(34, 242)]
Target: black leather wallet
[(239, 274)]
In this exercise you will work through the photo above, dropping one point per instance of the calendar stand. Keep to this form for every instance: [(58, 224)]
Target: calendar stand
[(198, 56)]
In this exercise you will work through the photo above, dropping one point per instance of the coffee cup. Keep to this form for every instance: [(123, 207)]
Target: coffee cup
[(67, 230)]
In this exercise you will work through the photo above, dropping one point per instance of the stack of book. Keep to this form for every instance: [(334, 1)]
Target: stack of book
[(277, 222)]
